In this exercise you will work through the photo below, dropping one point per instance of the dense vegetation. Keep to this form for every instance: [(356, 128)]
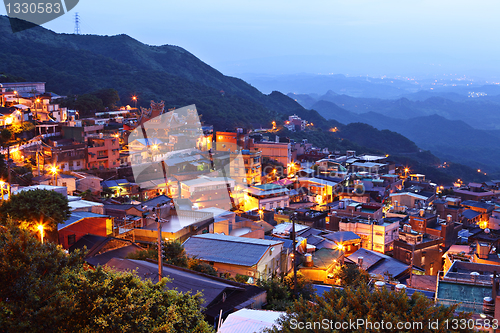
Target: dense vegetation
[(43, 289), (364, 306), (34, 207)]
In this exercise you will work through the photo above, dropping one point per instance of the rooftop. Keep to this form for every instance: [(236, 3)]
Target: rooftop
[(228, 249)]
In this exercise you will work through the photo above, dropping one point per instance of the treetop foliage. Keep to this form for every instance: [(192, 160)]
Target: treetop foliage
[(43, 289), (34, 207), (345, 305)]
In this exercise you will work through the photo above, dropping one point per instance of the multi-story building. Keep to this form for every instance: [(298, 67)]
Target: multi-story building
[(209, 192), (103, 152), (416, 249), (68, 154), (246, 168), (278, 151), (376, 235), (226, 141), (268, 196), (78, 131), (295, 123), (229, 255)]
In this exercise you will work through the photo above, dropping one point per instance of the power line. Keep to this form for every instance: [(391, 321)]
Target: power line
[(77, 24)]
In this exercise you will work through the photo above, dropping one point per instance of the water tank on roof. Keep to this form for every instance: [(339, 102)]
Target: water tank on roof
[(400, 287), (488, 306), (379, 285), (360, 261), (308, 260), (474, 276)]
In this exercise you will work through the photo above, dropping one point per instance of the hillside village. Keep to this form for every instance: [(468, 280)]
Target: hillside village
[(249, 203)]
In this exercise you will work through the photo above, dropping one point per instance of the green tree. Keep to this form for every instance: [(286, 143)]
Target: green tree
[(200, 266), (280, 292), (109, 97), (174, 254), (5, 136), (361, 304), (43, 289), (31, 208), (350, 275)]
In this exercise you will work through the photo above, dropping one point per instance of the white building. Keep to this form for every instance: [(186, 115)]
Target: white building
[(375, 235), (267, 196)]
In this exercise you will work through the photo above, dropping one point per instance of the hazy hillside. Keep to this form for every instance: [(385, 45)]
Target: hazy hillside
[(481, 112), (449, 139), (77, 64)]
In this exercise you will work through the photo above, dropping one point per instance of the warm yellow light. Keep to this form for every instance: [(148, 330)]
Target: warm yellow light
[(40, 228), (134, 98), (155, 147), (38, 100), (340, 247), (406, 169), (334, 129), (53, 169)]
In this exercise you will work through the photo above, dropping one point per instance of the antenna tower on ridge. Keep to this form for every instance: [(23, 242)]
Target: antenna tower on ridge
[(77, 24)]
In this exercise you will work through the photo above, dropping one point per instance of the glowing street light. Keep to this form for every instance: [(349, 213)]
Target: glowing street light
[(134, 98), (2, 183), (54, 169), (41, 229)]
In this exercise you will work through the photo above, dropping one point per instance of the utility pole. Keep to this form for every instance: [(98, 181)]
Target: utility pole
[(38, 158), (411, 264), (160, 264), (293, 217), (9, 162)]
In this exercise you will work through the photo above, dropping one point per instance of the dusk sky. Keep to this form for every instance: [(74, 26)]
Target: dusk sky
[(272, 37)]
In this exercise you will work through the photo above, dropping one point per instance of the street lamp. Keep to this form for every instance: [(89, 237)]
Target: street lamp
[(134, 98), (17, 96), (40, 228), (54, 171), (2, 183), (36, 108), (293, 217)]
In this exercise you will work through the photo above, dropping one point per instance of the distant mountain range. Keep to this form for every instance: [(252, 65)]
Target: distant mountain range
[(426, 123)]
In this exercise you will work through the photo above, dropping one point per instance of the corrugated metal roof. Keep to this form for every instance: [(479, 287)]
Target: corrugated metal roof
[(180, 279), (470, 214), (228, 249), (378, 263), (249, 321), (77, 216), (341, 236)]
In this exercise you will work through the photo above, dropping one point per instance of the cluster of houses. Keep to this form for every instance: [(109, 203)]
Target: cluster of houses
[(254, 205)]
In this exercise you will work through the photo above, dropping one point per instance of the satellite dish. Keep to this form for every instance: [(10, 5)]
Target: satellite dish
[(487, 230), (250, 280)]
